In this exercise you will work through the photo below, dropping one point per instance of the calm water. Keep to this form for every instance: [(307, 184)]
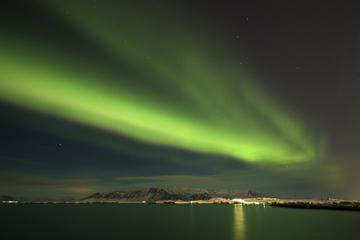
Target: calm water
[(138, 221)]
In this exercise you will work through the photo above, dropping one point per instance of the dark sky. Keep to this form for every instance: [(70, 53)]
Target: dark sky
[(109, 95)]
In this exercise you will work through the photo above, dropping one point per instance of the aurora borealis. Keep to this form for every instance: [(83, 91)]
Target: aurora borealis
[(139, 91)]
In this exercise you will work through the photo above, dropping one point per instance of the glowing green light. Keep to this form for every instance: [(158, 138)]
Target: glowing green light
[(194, 104)]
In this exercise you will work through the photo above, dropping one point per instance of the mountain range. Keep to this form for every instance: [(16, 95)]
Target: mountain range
[(171, 193)]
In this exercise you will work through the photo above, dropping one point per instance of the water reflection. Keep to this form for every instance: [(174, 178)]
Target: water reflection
[(239, 222)]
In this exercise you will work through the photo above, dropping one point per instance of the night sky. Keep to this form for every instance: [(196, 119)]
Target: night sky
[(111, 95)]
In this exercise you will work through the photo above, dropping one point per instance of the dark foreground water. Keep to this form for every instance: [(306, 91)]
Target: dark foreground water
[(140, 221)]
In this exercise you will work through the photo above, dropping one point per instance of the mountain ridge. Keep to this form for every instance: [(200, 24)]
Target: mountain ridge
[(173, 193)]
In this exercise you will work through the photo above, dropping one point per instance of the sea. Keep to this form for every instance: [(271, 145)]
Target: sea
[(162, 221)]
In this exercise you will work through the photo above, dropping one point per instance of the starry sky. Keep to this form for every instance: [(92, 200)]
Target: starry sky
[(109, 95)]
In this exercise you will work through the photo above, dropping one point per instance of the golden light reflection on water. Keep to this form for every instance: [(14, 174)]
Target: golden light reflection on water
[(239, 222)]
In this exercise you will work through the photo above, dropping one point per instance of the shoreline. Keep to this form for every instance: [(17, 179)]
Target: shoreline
[(177, 202), (325, 204), (330, 204)]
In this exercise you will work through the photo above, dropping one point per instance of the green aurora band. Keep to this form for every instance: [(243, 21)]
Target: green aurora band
[(178, 91)]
